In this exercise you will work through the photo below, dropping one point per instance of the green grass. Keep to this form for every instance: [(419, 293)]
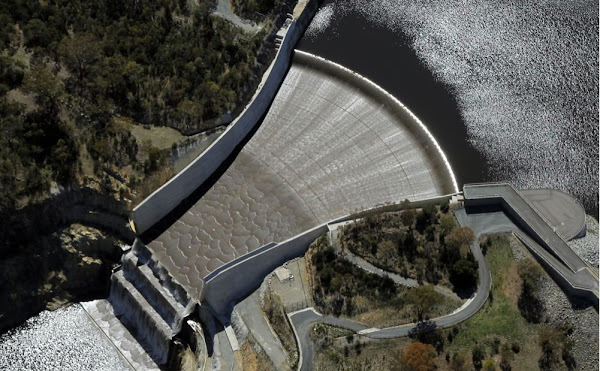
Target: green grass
[(499, 317)]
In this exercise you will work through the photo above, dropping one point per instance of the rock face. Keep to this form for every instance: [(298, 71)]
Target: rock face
[(45, 271), (59, 250)]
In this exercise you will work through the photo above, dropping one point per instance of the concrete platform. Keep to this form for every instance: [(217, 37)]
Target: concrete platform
[(561, 210)]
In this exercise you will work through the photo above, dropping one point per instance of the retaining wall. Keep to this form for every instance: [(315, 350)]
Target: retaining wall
[(171, 194), (554, 270), (238, 279)]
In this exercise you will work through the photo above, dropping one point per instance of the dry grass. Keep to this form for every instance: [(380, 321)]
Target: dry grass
[(152, 183), (253, 360), (511, 286), (368, 355), (276, 315), (161, 137)]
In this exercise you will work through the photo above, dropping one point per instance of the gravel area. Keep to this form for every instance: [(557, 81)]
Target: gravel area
[(65, 339), (584, 320), (587, 247)]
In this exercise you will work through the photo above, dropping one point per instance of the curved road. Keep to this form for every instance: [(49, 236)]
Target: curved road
[(303, 319)]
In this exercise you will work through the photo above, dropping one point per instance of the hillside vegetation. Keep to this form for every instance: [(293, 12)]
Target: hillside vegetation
[(426, 245), (69, 68), (83, 85)]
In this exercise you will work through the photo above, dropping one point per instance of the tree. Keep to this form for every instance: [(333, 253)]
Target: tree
[(464, 274), (460, 362), (427, 332), (79, 53), (422, 298), (489, 365), (549, 340), (47, 87), (408, 215), (530, 305), (460, 237), (506, 358), (447, 224), (478, 354), (418, 357), (426, 217)]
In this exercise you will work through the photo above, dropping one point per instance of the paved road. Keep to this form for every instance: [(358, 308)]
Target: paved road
[(252, 315), (302, 321)]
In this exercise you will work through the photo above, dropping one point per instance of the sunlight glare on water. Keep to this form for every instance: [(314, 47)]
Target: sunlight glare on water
[(524, 75)]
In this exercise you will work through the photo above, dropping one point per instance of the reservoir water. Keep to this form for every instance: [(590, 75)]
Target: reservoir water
[(509, 89)]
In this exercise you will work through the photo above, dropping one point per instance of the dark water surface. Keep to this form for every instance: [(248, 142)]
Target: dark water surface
[(508, 89), (385, 57)]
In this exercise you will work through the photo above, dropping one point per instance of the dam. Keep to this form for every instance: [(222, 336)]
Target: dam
[(327, 147), (319, 142)]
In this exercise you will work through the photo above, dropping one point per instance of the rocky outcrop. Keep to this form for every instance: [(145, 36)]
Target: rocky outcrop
[(59, 251)]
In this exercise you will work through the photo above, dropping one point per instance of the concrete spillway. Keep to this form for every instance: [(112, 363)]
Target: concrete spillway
[(331, 143)]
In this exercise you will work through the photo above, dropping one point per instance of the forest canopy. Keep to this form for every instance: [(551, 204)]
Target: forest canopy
[(70, 68)]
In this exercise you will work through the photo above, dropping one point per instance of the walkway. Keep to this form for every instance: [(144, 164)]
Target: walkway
[(543, 241)]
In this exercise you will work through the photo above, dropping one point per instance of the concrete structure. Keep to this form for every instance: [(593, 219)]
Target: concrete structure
[(283, 274), (562, 211), (332, 143), (540, 235), (171, 194)]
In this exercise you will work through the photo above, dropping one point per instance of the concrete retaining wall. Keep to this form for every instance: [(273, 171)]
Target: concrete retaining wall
[(238, 279), (171, 194), (555, 272)]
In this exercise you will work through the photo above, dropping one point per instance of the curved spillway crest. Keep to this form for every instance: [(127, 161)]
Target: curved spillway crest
[(331, 143)]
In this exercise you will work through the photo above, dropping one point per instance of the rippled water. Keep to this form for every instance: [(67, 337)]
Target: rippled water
[(524, 75), (64, 339)]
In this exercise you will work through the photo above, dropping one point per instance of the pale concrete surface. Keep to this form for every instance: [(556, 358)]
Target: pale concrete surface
[(102, 314), (225, 11), (562, 211), (293, 293)]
